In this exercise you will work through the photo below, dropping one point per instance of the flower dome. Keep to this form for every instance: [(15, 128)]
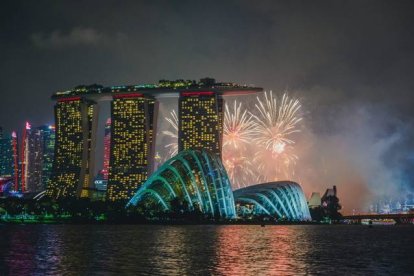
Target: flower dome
[(283, 199)]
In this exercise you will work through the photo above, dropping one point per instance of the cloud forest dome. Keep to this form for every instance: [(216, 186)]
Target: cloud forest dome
[(195, 177), (282, 199)]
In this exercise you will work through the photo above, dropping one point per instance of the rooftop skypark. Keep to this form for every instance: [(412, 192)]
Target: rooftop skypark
[(163, 86)]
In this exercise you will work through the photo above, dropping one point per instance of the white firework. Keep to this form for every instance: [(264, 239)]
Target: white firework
[(275, 123), (238, 126), (173, 135)]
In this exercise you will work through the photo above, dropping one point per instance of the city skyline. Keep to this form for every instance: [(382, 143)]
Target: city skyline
[(354, 86), (93, 167), (133, 131), (193, 137)]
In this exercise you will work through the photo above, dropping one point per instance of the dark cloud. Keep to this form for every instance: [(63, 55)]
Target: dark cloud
[(78, 36)]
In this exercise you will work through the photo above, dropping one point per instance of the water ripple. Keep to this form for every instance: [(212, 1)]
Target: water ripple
[(205, 250)]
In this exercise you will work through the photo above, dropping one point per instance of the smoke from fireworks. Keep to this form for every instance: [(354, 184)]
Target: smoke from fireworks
[(275, 165), (239, 169)]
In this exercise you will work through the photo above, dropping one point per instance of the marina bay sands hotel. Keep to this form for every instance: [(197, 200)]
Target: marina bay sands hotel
[(134, 112)]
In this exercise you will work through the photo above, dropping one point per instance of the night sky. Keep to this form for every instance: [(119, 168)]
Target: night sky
[(351, 63)]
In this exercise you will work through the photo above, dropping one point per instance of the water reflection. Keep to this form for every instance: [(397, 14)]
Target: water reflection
[(204, 250), (255, 250)]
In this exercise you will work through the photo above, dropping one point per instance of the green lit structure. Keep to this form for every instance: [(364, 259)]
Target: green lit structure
[(281, 199), (196, 177)]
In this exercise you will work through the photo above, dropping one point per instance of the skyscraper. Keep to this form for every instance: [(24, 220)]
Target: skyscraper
[(24, 159), (131, 144), (73, 162), (48, 149), (6, 156), (199, 117), (107, 148), (15, 148), (34, 160), (9, 160), (132, 131)]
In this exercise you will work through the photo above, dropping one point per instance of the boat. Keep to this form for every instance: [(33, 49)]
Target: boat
[(373, 222)]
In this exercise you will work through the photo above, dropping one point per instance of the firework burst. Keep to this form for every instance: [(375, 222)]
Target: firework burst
[(173, 135), (238, 126), (238, 133), (275, 122), (266, 136)]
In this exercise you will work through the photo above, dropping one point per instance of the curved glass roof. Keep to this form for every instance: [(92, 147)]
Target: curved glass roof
[(196, 177), (283, 199)]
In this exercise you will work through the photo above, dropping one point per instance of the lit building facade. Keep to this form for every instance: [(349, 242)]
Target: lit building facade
[(36, 159), (6, 157), (33, 160), (131, 144), (130, 138), (76, 122), (15, 148), (200, 121), (107, 148), (48, 148), (24, 159), (9, 159)]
